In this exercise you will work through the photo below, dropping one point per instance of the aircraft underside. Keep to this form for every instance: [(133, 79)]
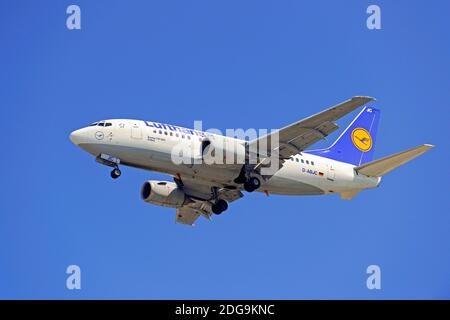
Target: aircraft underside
[(223, 176)]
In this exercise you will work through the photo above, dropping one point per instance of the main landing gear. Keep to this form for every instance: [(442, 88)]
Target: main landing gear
[(251, 183), (219, 207)]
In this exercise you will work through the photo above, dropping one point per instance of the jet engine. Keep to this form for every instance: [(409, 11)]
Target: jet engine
[(221, 150), (163, 193)]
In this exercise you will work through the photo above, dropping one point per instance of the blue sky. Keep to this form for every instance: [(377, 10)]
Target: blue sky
[(231, 64)]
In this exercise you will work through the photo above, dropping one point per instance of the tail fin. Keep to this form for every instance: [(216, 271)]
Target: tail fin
[(384, 165), (356, 144)]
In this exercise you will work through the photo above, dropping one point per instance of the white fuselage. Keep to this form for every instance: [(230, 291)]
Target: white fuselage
[(138, 144)]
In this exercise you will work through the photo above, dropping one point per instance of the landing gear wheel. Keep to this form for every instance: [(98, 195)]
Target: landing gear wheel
[(219, 207), (252, 184), (115, 173)]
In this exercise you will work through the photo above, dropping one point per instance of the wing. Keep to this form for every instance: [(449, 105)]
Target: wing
[(200, 194), (297, 136), (187, 215)]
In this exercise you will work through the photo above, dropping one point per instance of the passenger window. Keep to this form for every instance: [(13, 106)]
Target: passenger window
[(296, 159), (189, 137), (165, 132), (171, 134), (307, 162), (182, 136), (154, 131), (303, 161), (160, 132), (177, 135), (312, 163)]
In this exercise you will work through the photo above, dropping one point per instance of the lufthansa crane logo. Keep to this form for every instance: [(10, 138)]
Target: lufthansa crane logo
[(99, 135), (361, 139)]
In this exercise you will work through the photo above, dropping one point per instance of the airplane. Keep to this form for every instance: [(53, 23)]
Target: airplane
[(204, 188)]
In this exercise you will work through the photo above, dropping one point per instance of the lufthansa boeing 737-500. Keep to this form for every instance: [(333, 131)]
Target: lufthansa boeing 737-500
[(274, 163)]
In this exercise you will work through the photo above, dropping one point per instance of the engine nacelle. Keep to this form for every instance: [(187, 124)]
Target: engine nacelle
[(163, 193), (222, 150)]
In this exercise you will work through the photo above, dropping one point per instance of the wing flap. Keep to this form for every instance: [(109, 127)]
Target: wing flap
[(186, 215), (306, 137), (230, 195)]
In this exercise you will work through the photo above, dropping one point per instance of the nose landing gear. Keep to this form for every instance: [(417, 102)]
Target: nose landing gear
[(115, 173), (110, 161)]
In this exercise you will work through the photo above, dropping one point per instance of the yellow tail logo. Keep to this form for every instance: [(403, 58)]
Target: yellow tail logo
[(362, 139)]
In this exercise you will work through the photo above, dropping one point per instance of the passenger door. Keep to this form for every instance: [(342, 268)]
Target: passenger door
[(330, 172)]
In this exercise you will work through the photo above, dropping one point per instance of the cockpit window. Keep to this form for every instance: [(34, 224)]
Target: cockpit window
[(101, 124)]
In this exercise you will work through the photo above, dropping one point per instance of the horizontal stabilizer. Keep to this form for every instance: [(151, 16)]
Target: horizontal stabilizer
[(384, 165)]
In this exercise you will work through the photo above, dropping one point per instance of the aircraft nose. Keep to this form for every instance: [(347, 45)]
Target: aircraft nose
[(76, 136)]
